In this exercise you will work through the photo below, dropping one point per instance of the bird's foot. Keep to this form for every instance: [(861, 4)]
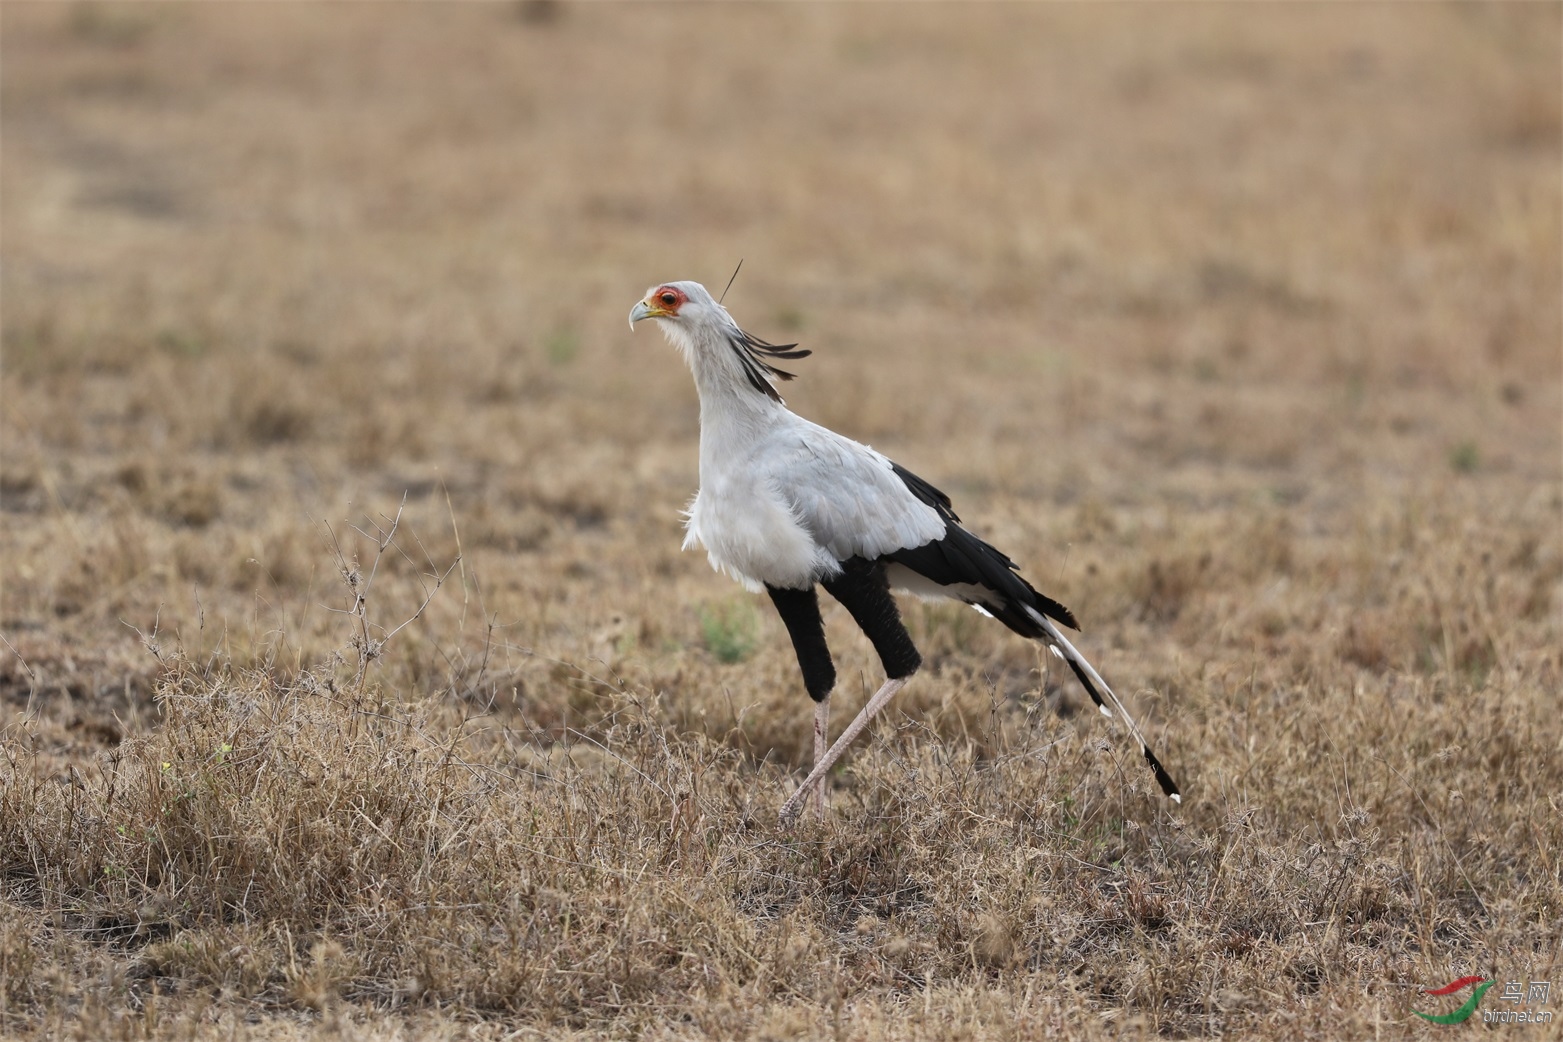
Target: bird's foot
[(792, 810)]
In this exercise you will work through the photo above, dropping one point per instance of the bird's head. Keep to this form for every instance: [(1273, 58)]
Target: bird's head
[(701, 328), (684, 303)]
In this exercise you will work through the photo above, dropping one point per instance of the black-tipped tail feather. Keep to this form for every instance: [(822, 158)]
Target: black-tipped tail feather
[(1108, 703)]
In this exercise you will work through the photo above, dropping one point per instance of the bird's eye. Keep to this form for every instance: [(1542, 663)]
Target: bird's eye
[(668, 299)]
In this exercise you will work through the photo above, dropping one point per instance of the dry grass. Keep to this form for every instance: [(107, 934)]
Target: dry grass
[(1239, 327)]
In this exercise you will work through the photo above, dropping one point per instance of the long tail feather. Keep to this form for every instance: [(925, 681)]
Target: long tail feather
[(1103, 696)]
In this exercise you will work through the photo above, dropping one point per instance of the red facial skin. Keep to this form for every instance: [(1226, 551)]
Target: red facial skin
[(668, 299)]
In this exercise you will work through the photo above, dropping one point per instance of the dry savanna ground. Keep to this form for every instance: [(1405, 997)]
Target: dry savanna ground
[(353, 681)]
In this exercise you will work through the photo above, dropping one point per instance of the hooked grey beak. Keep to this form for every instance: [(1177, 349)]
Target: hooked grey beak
[(644, 310)]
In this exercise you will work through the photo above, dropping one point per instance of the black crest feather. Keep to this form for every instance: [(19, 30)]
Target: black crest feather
[(752, 354)]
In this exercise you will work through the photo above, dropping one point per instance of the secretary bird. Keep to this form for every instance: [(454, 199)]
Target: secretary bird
[(785, 504)]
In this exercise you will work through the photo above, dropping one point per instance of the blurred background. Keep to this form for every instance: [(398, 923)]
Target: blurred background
[(1092, 269)]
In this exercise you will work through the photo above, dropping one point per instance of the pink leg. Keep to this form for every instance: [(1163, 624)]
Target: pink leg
[(821, 734), (789, 811)]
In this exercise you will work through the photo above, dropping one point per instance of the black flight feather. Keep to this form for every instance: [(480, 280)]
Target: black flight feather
[(960, 557)]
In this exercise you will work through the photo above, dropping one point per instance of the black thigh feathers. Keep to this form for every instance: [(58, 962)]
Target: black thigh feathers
[(960, 558), (865, 592), (799, 610)]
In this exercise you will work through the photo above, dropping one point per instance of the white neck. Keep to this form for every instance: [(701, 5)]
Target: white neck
[(733, 413)]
